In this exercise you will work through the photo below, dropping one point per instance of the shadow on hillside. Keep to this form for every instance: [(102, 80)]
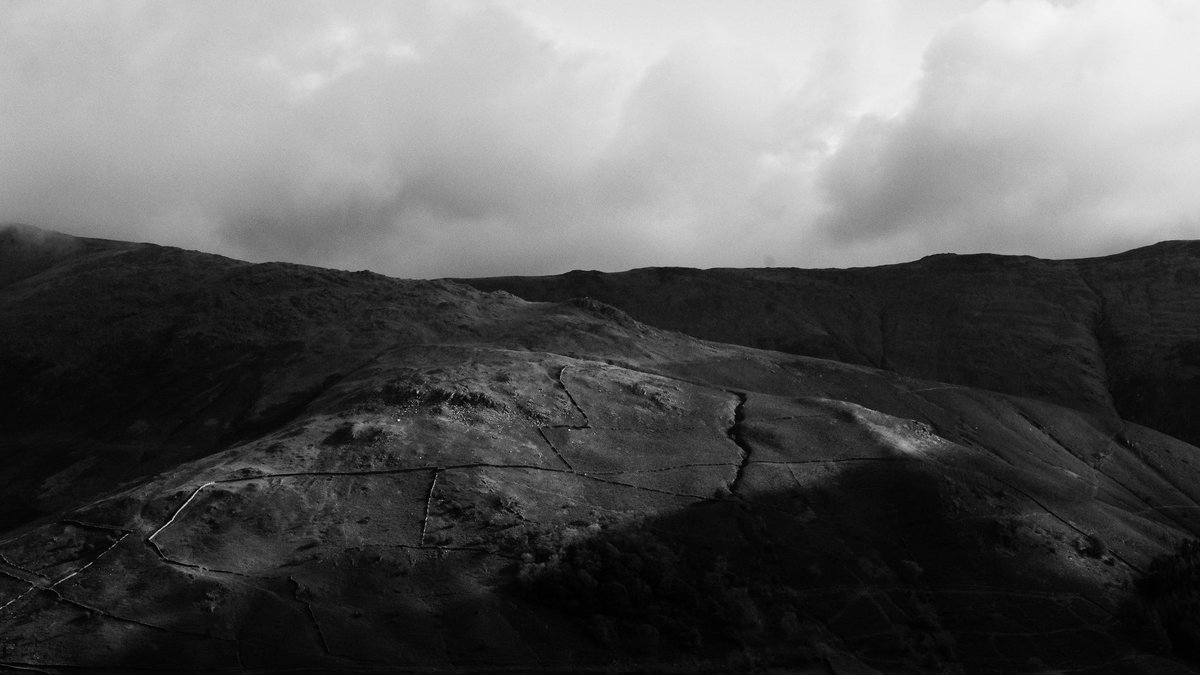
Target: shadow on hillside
[(873, 565)]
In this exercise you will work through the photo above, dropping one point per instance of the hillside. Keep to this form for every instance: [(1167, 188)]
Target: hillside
[(210, 464), (1116, 336)]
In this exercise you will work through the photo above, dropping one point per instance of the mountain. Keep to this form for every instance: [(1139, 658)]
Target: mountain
[(211, 464), (1117, 336)]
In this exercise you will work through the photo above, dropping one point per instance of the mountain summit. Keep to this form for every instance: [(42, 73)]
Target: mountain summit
[(946, 466)]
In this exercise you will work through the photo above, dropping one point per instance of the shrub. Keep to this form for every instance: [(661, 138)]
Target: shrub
[(633, 589), (1165, 614)]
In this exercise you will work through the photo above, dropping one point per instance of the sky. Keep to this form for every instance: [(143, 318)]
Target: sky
[(493, 137)]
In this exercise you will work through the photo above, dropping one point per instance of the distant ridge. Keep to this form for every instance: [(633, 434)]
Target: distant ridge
[(26, 250)]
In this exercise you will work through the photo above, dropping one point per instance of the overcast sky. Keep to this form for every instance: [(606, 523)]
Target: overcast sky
[(469, 138)]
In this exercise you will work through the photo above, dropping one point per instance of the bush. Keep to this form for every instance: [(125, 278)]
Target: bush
[(635, 590), (1165, 615)]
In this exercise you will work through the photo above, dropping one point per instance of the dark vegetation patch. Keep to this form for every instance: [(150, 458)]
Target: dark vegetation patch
[(766, 578), (634, 589), (1164, 615), (886, 565)]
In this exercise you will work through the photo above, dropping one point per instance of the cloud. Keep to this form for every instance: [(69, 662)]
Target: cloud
[(1045, 129), (304, 131), (443, 138), (416, 138)]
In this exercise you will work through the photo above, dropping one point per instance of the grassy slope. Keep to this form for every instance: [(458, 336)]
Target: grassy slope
[(1111, 336), (359, 473)]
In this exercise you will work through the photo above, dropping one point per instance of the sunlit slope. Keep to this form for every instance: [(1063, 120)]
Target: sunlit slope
[(1114, 336), (354, 473)]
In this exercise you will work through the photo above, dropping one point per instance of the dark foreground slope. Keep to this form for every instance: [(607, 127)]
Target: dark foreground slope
[(272, 468), (1116, 336)]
